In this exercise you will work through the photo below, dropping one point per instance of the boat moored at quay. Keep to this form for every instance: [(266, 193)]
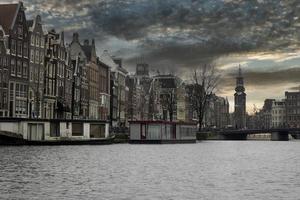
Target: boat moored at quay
[(162, 132), (21, 131)]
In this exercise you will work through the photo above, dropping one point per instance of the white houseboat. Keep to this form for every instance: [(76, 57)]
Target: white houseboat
[(53, 132), (160, 132)]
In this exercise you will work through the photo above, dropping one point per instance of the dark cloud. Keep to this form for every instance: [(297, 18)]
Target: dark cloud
[(211, 27), (234, 26), (173, 35), (179, 33)]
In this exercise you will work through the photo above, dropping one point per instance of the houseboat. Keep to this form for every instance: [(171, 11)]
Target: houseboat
[(161, 132), (53, 132)]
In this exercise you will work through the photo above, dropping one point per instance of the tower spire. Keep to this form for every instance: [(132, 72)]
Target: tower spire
[(240, 102)]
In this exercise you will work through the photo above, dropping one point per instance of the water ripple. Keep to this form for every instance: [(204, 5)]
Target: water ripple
[(207, 170)]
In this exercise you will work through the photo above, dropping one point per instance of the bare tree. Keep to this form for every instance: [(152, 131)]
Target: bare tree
[(168, 101), (205, 80)]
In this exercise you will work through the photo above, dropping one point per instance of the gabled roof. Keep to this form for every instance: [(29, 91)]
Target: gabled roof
[(8, 14), (106, 59)]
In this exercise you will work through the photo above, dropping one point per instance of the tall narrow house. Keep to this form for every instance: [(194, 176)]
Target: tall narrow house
[(36, 67), (4, 74), (55, 105), (104, 86), (14, 26), (80, 82), (93, 78), (240, 102)]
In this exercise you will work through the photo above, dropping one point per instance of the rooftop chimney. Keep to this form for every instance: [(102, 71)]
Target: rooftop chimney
[(75, 37)]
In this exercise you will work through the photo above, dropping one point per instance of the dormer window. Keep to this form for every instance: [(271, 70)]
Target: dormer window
[(20, 17), (20, 31)]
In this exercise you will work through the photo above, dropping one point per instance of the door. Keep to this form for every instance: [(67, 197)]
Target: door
[(143, 131), (174, 131)]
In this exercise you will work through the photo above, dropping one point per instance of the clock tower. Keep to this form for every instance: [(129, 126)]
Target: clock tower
[(240, 102)]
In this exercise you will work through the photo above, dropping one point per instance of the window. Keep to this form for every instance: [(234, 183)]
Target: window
[(20, 49), (31, 74), (20, 17), (20, 31), (37, 41), (32, 39), (25, 53), (5, 62), (42, 57), (42, 42), (13, 46), (41, 76), (17, 90), (13, 66), (25, 70), (19, 68), (31, 55), (37, 57)]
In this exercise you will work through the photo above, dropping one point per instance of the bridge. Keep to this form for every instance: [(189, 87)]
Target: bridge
[(277, 134)]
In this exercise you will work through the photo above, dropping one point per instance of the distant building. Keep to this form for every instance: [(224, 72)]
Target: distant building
[(134, 95), (139, 96), (36, 67), (292, 102), (278, 114), (240, 102), (164, 93), (266, 114), (15, 34), (217, 112), (120, 89)]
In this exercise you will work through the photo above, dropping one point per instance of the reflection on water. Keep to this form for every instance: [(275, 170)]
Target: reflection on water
[(207, 170)]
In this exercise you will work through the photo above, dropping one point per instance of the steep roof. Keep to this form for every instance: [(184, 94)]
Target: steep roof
[(106, 59), (7, 15)]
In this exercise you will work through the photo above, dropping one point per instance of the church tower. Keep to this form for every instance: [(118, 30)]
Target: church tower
[(240, 102)]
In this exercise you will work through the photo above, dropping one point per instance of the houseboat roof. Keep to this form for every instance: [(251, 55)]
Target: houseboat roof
[(160, 122)]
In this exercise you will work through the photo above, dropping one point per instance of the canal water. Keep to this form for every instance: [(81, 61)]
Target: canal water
[(217, 170)]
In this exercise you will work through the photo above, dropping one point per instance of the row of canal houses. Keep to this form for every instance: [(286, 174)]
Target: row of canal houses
[(42, 77)]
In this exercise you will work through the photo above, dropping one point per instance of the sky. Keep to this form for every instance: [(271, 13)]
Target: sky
[(177, 36)]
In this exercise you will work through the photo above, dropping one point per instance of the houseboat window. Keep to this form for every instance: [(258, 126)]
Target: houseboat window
[(97, 130), (77, 129), (54, 129)]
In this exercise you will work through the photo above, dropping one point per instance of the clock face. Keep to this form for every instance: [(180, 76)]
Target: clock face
[(240, 89)]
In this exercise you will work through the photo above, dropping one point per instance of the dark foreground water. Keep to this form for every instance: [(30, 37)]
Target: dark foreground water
[(208, 170)]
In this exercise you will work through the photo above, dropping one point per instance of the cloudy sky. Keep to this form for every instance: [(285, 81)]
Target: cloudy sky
[(179, 35)]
